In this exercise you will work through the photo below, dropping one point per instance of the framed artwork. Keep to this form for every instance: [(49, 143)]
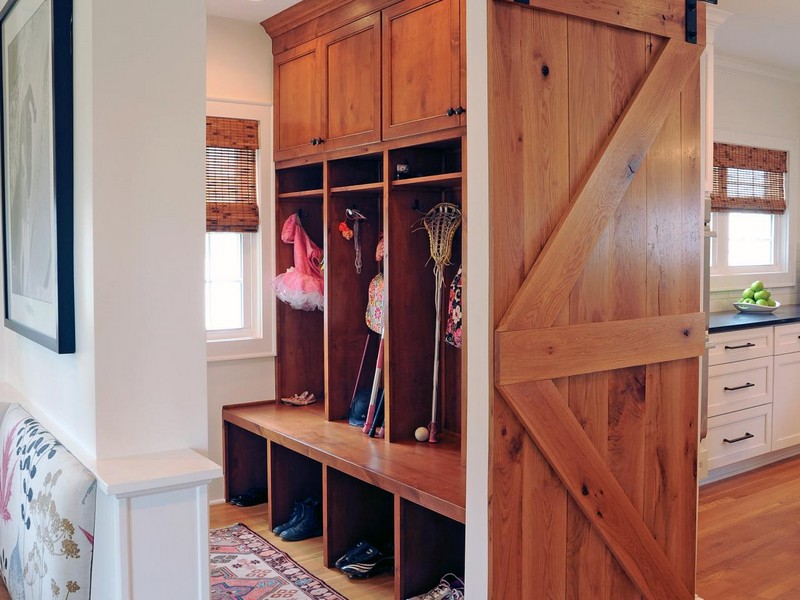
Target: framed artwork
[(37, 172)]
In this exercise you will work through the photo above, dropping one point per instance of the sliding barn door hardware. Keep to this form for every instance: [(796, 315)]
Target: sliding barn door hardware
[(691, 19)]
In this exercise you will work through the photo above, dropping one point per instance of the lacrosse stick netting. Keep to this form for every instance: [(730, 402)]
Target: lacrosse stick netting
[(441, 223)]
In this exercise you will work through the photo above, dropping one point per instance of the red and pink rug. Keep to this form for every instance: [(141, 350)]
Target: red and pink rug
[(245, 566)]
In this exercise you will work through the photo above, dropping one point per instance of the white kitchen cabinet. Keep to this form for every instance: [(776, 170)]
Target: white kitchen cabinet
[(786, 399), (753, 393)]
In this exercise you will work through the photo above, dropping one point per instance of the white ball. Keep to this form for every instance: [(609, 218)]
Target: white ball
[(421, 433)]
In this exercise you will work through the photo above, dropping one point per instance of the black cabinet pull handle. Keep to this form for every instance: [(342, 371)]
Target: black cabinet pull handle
[(314, 142), (747, 345), (739, 387), (460, 110), (746, 436), (451, 111)]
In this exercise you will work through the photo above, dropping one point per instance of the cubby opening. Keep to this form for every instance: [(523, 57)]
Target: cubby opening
[(430, 545), (245, 461), (347, 289), (292, 478), (300, 362), (355, 511), (300, 182), (436, 164), (364, 173)]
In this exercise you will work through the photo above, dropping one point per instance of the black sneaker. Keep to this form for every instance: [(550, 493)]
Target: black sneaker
[(309, 525), (294, 518), (250, 498), (369, 561), (358, 552)]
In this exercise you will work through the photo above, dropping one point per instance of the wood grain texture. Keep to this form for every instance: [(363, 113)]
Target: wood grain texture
[(429, 475), (298, 102), (351, 90), (415, 100), (528, 508), (600, 194), (552, 352), (661, 17), (591, 485)]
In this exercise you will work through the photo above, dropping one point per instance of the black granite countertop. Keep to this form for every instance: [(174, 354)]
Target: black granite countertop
[(730, 320)]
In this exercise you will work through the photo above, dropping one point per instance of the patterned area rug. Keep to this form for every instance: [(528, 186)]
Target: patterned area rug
[(244, 566)]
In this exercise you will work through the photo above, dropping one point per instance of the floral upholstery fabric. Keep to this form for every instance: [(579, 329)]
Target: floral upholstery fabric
[(47, 510)]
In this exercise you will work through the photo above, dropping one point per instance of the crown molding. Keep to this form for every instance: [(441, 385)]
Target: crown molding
[(715, 16), (755, 70)]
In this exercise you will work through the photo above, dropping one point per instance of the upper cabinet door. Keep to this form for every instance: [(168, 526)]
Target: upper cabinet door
[(422, 67), (297, 102), (351, 84)]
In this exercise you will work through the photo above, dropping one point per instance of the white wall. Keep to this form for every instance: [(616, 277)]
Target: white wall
[(239, 70), (758, 101)]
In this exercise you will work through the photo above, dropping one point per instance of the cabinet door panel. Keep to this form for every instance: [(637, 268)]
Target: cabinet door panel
[(351, 95), (786, 403), (297, 101), (421, 74)]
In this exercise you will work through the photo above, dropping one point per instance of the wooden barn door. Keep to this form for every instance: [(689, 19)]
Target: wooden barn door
[(596, 226)]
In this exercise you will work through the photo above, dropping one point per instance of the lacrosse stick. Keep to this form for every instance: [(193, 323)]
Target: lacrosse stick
[(441, 223)]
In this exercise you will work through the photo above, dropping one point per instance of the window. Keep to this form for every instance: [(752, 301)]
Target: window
[(752, 214), (238, 245)]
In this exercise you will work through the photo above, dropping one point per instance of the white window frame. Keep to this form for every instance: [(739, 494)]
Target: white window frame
[(257, 338), (783, 274)]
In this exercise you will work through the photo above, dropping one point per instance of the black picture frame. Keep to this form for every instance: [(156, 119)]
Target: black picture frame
[(36, 153)]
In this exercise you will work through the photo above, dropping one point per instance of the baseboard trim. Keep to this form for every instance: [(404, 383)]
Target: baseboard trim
[(749, 464)]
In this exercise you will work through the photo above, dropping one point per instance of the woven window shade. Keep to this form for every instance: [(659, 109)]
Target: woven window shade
[(231, 199), (748, 179)]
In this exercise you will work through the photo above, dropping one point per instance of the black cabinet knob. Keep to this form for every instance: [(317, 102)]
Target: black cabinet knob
[(320, 141), (451, 111), (459, 110), (314, 142)]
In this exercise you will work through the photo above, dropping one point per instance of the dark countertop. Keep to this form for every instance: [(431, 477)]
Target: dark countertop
[(731, 320)]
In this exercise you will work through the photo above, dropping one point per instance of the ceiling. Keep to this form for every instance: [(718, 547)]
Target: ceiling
[(759, 31)]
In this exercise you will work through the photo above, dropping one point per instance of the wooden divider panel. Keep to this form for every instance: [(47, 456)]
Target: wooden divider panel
[(596, 227)]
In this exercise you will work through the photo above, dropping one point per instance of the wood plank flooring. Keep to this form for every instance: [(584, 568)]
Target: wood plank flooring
[(306, 552), (749, 535)]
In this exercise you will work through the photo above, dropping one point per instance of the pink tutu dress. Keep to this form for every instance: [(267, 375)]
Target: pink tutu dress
[(301, 286)]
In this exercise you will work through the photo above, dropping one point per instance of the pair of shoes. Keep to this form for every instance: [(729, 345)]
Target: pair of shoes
[(305, 522), (450, 588), (365, 560), (251, 497), (303, 399)]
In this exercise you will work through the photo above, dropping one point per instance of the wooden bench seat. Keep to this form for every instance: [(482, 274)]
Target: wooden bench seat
[(430, 475)]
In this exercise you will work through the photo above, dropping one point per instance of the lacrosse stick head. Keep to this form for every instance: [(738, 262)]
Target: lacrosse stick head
[(441, 223)]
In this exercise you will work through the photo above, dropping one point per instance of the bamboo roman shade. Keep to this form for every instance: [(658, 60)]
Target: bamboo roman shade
[(748, 179), (231, 199)]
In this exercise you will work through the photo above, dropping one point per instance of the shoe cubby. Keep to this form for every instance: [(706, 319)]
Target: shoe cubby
[(292, 478), (354, 511), (245, 461), (304, 182), (429, 546)]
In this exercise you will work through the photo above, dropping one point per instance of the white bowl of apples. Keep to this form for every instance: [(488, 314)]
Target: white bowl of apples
[(756, 299)]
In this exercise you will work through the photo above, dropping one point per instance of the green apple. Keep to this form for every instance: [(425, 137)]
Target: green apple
[(762, 302), (748, 293), (749, 301), (771, 302), (757, 286), (762, 295)]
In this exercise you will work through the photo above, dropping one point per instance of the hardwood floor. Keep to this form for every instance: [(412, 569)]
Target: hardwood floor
[(749, 535), (306, 552)]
